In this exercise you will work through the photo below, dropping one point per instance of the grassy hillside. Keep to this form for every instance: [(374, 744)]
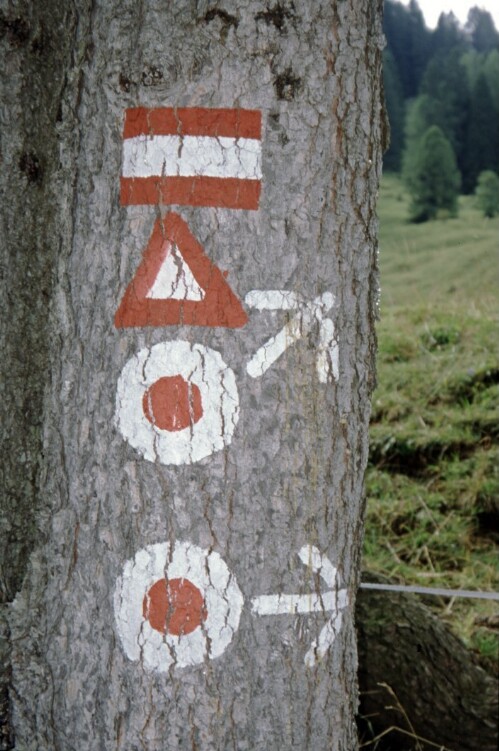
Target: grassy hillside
[(451, 263), (433, 480)]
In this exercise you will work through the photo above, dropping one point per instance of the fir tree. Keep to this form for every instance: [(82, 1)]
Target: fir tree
[(446, 82), (394, 99), (408, 40), (435, 181), (491, 73), (480, 26), (482, 148), (421, 114), (448, 35), (487, 193)]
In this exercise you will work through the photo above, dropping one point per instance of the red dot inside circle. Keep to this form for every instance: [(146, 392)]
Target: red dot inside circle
[(174, 607), (172, 403)]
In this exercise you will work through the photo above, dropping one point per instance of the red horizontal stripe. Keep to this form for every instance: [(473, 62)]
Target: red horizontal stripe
[(227, 192), (192, 121)]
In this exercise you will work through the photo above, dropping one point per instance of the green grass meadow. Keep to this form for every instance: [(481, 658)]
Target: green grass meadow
[(433, 480)]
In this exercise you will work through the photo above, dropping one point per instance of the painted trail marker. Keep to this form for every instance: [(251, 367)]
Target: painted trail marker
[(176, 606), (333, 601), (177, 402), (180, 605), (295, 329), (192, 156), (176, 283)]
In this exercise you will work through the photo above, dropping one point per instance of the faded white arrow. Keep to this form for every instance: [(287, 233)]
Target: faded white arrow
[(332, 601), (296, 328)]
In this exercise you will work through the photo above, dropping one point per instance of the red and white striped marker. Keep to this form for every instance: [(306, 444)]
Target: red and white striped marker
[(192, 156)]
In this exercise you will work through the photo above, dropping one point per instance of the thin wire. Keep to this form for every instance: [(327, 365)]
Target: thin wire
[(468, 593)]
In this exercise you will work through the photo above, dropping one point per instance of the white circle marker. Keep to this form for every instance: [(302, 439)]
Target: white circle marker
[(176, 606), (177, 402)]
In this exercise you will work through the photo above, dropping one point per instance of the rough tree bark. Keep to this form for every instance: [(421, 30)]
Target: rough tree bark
[(439, 692), (95, 519)]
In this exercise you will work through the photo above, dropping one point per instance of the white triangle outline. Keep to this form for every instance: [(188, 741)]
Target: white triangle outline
[(175, 280)]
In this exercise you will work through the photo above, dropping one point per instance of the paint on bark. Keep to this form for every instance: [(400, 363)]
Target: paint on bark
[(291, 473)]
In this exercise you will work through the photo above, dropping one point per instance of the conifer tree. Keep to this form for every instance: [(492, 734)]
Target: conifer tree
[(447, 36), (435, 182), (482, 149), (421, 114), (394, 98), (480, 26), (446, 82), (491, 73), (408, 40), (487, 193)]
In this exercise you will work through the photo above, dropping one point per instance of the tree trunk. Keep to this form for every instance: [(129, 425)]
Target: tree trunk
[(415, 675), (189, 358)]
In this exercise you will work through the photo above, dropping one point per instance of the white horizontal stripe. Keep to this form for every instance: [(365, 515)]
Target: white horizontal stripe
[(290, 604), (192, 156), (273, 299)]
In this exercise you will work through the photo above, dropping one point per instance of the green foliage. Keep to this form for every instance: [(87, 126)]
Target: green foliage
[(409, 42), (482, 152), (456, 69), (433, 476), (480, 26), (420, 115), (448, 35), (491, 72), (487, 193), (395, 106), (446, 84), (434, 180)]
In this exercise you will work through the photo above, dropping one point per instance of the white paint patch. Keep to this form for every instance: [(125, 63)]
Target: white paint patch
[(326, 638), (328, 354), (298, 327), (175, 280), (203, 568), (274, 347), (189, 156), (296, 604), (198, 365), (332, 601), (273, 299)]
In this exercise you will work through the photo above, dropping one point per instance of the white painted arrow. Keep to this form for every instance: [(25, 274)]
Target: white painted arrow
[(295, 329), (332, 601)]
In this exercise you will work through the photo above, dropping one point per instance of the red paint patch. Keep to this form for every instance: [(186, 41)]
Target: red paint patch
[(227, 192), (220, 306), (174, 607), (172, 403), (192, 121)]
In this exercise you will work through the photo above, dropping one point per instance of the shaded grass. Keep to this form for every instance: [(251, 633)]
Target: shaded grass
[(433, 479)]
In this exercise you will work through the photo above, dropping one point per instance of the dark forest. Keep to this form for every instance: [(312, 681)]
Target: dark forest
[(446, 78)]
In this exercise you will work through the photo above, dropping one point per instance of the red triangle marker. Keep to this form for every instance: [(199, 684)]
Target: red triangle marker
[(177, 284)]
